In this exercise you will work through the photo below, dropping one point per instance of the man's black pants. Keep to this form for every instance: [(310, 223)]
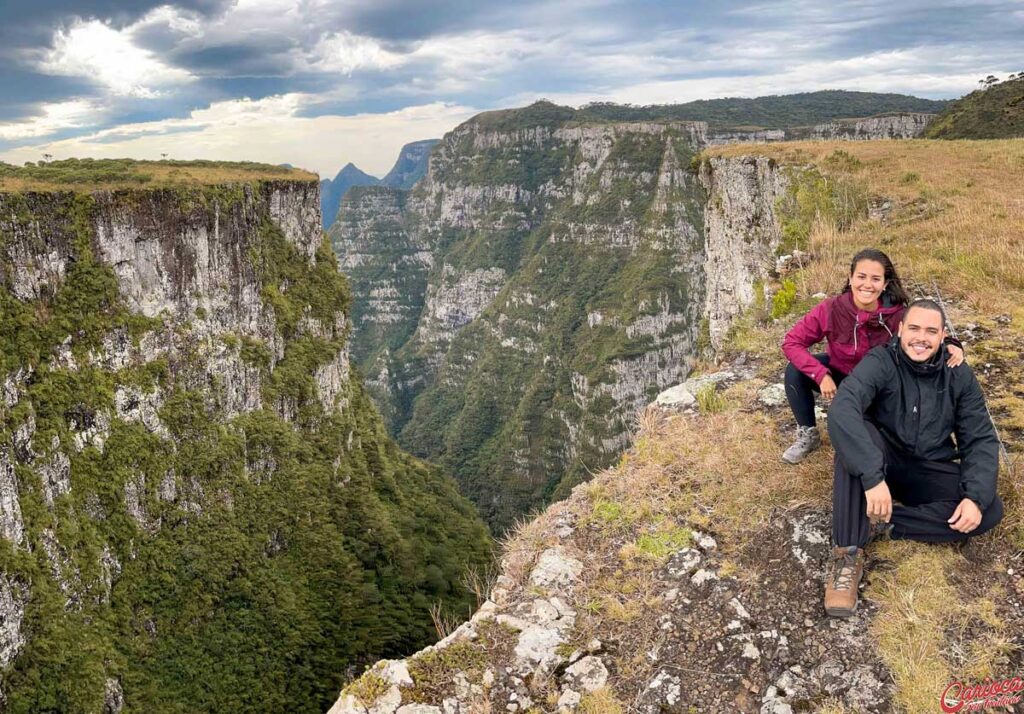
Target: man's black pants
[(929, 492)]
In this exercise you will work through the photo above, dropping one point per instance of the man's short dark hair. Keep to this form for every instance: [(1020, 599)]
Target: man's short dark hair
[(927, 304)]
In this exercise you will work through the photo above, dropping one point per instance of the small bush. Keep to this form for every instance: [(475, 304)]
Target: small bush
[(782, 301), (843, 161), (368, 688), (910, 177)]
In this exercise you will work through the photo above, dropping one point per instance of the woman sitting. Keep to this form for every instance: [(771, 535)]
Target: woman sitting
[(865, 314)]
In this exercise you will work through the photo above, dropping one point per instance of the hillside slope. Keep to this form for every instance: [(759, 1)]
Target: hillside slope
[(996, 112), (688, 577), (200, 509)]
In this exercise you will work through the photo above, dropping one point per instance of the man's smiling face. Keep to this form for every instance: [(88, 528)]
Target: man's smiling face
[(921, 333)]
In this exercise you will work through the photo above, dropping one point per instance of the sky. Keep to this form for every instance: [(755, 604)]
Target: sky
[(318, 84)]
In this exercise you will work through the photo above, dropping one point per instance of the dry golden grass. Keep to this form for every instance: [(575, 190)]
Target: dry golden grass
[(918, 603), (959, 223), (163, 174), (600, 701)]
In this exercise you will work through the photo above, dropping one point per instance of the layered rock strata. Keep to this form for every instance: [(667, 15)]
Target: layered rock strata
[(907, 125), (537, 287), (541, 285)]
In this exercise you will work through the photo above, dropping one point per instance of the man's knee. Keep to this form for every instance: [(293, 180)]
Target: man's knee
[(990, 517)]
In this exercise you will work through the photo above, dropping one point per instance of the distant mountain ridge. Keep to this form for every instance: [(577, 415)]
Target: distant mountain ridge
[(409, 168), (995, 112)]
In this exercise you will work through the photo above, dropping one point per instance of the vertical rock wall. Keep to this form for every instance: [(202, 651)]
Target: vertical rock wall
[(539, 286), (742, 233), (189, 473)]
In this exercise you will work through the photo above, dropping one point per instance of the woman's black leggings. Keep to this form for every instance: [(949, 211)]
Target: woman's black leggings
[(800, 391)]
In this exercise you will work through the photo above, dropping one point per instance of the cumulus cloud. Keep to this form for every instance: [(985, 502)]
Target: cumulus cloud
[(269, 130), (344, 52), (96, 51), (368, 58)]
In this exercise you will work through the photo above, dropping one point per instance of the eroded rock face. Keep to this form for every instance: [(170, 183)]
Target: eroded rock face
[(891, 126), (906, 125), (507, 264), (742, 233), (12, 612), (189, 263)]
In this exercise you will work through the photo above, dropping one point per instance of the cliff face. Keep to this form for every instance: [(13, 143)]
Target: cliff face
[(905, 125), (579, 263), (742, 235), (411, 164), (188, 469), (539, 285), (614, 569)]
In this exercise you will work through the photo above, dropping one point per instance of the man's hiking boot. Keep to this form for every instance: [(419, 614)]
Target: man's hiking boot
[(842, 581), (808, 439)]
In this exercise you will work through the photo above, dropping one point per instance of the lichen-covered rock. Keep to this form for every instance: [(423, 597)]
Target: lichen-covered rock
[(588, 675), (555, 568)]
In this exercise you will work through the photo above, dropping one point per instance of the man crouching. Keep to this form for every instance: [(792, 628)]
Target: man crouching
[(891, 424)]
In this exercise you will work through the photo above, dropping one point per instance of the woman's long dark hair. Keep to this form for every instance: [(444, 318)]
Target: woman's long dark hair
[(894, 288)]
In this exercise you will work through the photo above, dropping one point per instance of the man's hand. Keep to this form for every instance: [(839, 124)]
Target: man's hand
[(966, 517), (880, 503), (956, 355), (828, 388)]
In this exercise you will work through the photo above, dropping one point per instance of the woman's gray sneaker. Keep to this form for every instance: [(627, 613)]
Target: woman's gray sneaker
[(808, 439)]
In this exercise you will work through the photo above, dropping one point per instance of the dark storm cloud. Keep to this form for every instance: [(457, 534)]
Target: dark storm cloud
[(260, 56), (402, 21), (31, 24)]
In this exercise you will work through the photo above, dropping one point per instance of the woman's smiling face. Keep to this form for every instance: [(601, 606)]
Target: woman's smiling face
[(867, 283)]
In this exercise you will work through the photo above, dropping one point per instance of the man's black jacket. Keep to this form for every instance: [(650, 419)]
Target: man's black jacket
[(916, 407)]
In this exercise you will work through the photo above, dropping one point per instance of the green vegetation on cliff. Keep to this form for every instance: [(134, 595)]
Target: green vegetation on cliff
[(230, 564), (995, 112), (542, 318), (771, 112)]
